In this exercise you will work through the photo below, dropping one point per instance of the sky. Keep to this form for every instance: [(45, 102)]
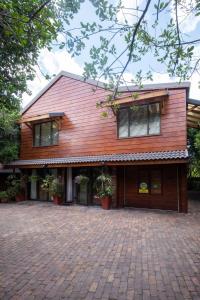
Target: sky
[(57, 60)]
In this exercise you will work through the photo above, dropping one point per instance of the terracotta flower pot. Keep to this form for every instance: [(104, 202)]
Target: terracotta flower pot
[(106, 202), (19, 197), (57, 200)]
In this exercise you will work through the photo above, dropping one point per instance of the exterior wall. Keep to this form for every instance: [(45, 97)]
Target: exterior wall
[(85, 132), (174, 187)]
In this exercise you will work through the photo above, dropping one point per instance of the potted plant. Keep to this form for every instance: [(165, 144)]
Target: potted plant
[(54, 187), (16, 187), (4, 197), (104, 190), (57, 191)]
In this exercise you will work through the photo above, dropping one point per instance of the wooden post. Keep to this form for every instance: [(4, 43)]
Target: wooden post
[(183, 199), (114, 186), (69, 184)]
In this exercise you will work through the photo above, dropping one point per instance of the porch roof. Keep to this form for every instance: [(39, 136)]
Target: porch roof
[(193, 113), (124, 157), (43, 117)]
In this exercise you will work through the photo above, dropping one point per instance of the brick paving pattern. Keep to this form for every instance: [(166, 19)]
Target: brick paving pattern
[(74, 252)]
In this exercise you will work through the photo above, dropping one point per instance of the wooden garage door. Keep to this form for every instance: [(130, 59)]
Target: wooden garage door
[(150, 187)]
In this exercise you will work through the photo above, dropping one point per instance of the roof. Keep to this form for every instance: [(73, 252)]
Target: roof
[(146, 87), (193, 113), (125, 157)]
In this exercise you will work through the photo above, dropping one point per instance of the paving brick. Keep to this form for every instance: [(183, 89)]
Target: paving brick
[(74, 252)]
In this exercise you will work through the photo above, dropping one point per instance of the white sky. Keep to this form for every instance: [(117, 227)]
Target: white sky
[(57, 60)]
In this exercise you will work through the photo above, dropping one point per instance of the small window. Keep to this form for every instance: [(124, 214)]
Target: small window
[(154, 118), (139, 120), (37, 135), (123, 123), (46, 134)]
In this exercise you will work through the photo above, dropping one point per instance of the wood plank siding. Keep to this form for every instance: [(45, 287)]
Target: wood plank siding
[(174, 188), (85, 132)]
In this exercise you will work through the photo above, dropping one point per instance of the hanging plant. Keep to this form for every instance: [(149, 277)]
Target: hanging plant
[(81, 179), (34, 178)]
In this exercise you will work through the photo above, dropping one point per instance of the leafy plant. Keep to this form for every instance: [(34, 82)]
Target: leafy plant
[(104, 186), (4, 195), (81, 179), (16, 184), (34, 178), (9, 134), (52, 185)]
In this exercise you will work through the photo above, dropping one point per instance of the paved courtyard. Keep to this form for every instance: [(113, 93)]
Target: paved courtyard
[(74, 252)]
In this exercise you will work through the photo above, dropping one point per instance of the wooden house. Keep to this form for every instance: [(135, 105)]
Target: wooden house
[(142, 143)]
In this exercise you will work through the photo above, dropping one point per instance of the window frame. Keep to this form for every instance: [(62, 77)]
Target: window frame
[(128, 107), (40, 134)]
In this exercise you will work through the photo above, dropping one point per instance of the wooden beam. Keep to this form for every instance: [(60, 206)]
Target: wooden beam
[(35, 118), (194, 112), (193, 119), (42, 117), (192, 108), (192, 125), (131, 99)]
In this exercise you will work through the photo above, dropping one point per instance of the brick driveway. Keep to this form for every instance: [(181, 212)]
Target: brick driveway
[(52, 252)]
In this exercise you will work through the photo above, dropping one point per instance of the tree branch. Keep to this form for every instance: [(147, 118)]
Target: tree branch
[(38, 10), (132, 45)]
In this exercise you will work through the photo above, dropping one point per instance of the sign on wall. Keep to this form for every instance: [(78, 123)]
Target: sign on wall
[(143, 188)]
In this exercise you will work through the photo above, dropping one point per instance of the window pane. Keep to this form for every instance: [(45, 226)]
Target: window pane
[(156, 186), (154, 118), (143, 182), (54, 133), (138, 121), (123, 123), (37, 135), (46, 134)]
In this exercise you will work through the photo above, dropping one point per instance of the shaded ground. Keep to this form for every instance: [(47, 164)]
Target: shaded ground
[(52, 252)]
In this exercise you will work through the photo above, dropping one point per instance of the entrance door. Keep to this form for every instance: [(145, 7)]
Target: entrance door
[(83, 194)]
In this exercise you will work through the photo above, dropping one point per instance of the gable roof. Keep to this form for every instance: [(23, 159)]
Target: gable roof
[(146, 87)]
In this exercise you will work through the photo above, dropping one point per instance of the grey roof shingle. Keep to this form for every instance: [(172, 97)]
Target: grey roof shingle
[(126, 157)]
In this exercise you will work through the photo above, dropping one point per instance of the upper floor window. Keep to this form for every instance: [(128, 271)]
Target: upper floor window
[(139, 120), (45, 134)]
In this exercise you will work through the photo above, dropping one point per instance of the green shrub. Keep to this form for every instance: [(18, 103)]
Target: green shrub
[(104, 186)]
